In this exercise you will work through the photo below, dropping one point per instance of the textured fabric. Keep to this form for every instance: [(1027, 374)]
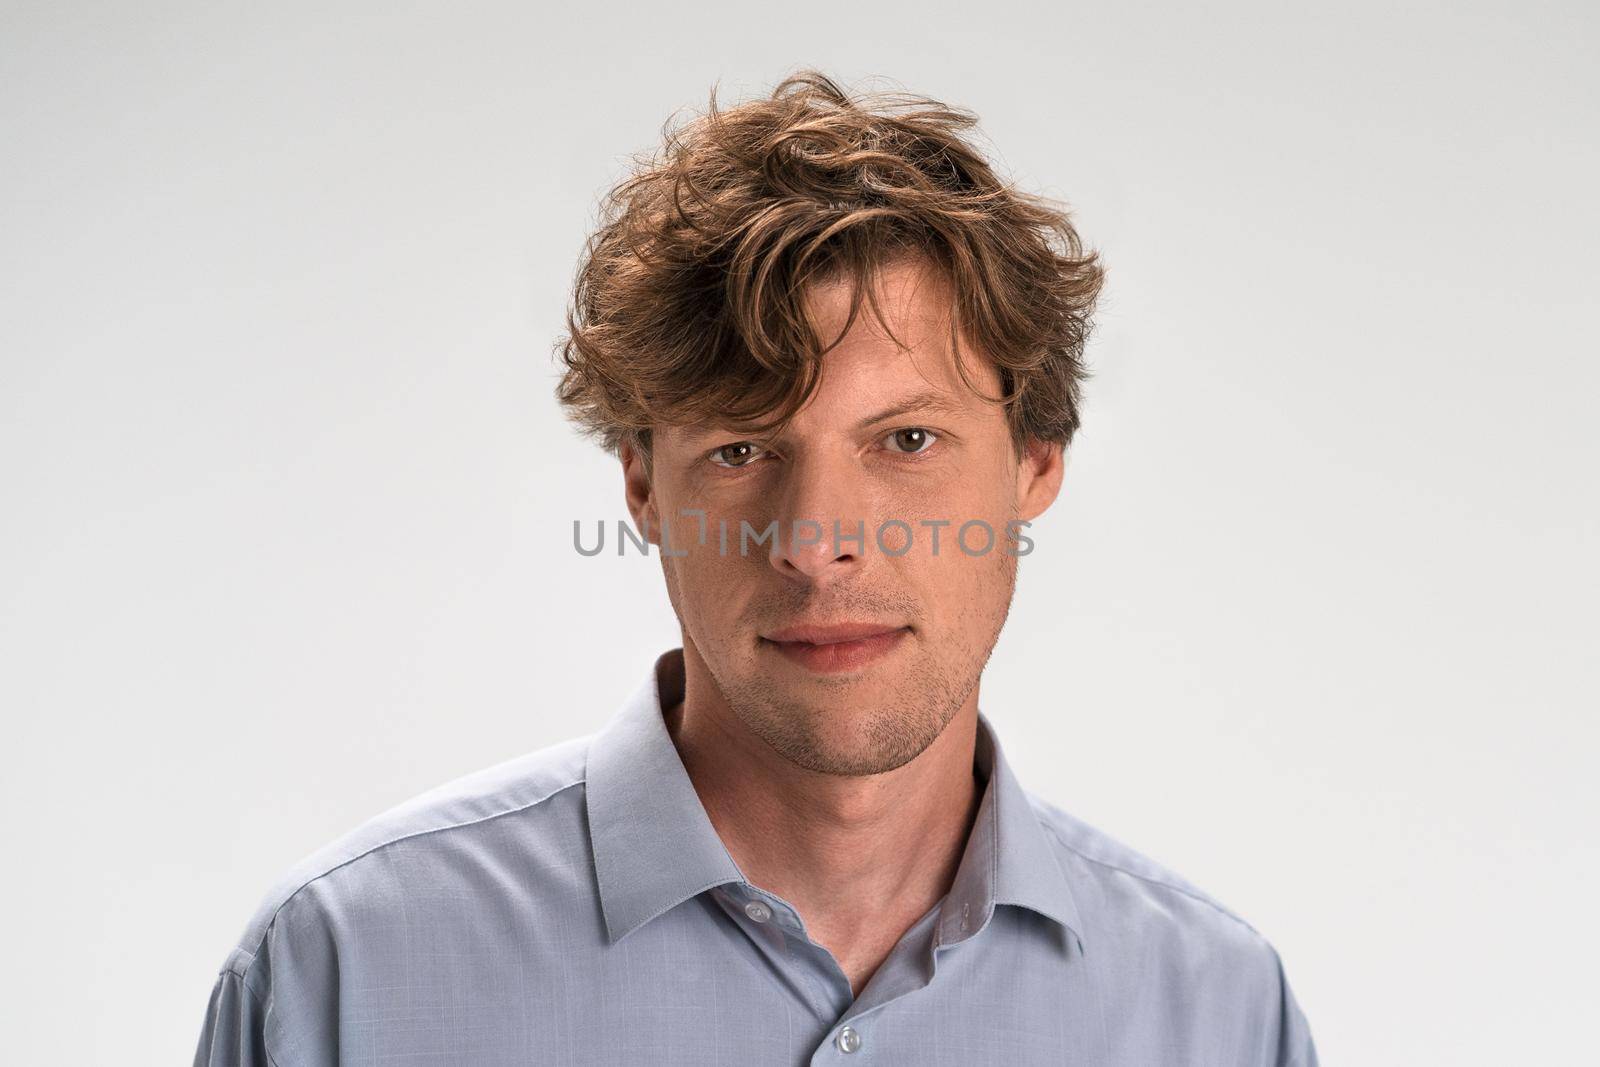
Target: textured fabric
[(576, 905)]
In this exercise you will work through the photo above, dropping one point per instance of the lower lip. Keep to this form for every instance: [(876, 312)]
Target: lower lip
[(841, 656)]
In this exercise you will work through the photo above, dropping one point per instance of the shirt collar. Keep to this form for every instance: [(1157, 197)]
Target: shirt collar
[(655, 847), (1009, 857)]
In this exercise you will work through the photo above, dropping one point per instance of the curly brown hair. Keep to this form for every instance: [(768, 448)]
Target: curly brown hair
[(688, 303)]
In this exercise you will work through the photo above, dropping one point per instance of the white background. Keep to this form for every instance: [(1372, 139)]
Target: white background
[(287, 500)]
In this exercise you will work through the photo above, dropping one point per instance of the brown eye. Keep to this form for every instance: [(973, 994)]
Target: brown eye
[(737, 454), (910, 439)]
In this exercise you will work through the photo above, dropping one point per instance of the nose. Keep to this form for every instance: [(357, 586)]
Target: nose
[(822, 527)]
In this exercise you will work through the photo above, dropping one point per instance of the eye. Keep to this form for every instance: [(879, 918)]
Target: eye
[(911, 439), (738, 454)]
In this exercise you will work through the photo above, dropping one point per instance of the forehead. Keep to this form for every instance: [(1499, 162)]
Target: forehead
[(908, 360)]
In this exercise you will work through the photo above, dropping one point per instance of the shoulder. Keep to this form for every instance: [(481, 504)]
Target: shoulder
[(1156, 942), (466, 817), (1131, 901)]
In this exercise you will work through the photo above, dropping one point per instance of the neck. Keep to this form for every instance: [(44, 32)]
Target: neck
[(861, 858)]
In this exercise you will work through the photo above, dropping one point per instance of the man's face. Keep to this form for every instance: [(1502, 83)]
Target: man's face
[(891, 445)]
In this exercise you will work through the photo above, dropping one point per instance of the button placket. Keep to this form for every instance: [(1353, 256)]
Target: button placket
[(779, 929)]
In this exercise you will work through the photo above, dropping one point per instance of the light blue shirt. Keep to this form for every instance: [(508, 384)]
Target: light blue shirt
[(576, 906)]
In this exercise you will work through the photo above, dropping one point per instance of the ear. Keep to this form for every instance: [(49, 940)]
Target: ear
[(640, 494), (1039, 474)]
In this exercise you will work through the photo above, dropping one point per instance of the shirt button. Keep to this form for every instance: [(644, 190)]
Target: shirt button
[(758, 911), (848, 1040)]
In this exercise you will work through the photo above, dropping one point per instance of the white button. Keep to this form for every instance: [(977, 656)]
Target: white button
[(758, 911), (848, 1040)]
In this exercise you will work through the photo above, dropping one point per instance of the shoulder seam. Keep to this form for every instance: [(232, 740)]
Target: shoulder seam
[(244, 983), (266, 930), (1192, 894), (232, 966)]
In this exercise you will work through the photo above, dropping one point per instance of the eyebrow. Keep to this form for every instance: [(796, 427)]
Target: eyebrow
[(927, 400), (933, 400)]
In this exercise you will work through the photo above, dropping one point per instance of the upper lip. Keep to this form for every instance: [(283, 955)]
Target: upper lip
[(833, 632)]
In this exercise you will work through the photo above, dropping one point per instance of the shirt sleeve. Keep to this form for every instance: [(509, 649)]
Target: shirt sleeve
[(1294, 1045), (276, 1002), (234, 1028)]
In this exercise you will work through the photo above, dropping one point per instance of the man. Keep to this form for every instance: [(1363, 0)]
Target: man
[(839, 361)]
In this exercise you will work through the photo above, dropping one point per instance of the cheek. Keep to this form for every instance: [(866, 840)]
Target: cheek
[(959, 588), (713, 528), (976, 520), (977, 485), (710, 581)]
